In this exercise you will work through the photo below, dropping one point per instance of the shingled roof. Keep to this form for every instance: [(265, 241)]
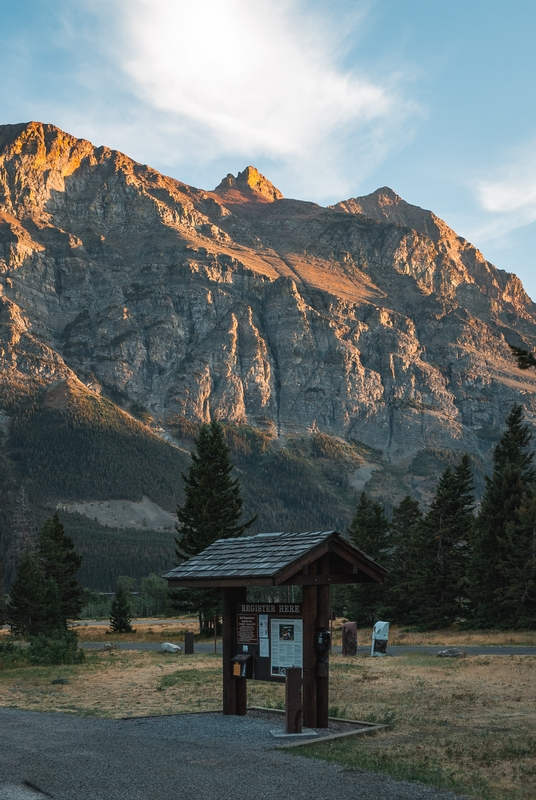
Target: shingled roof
[(269, 559)]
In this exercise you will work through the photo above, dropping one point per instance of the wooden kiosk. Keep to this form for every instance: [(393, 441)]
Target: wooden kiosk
[(261, 640)]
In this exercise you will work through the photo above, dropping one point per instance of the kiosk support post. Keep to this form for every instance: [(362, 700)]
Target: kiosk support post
[(309, 652), (322, 667), (234, 689), (293, 704)]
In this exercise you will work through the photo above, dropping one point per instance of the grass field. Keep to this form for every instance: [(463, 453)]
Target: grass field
[(466, 724), (158, 631)]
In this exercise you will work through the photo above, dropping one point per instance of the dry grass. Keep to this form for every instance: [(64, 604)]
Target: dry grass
[(155, 632), (117, 684), (467, 724), (448, 637), (451, 637)]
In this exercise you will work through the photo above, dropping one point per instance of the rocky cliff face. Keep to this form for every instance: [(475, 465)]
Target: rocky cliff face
[(369, 320)]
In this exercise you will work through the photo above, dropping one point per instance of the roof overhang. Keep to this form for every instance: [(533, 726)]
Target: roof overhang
[(332, 561)]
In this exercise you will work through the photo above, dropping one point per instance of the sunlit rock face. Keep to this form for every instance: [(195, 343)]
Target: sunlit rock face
[(371, 319)]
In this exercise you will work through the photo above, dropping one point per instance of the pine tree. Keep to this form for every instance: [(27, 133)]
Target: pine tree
[(513, 475), (60, 563), (213, 506), (2, 598), (26, 613), (45, 594), (517, 568), (406, 519), (439, 551), (211, 511), (369, 531), (23, 536), (120, 612)]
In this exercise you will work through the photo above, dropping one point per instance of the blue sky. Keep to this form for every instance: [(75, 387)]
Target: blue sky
[(329, 99)]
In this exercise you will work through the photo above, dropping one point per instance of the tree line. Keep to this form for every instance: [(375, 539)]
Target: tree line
[(446, 565), (451, 564)]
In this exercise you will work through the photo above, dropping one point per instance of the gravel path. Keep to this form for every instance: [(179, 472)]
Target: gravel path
[(157, 758)]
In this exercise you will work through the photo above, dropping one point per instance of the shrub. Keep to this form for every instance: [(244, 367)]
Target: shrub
[(60, 649)]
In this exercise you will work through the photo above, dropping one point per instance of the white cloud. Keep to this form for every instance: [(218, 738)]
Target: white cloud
[(257, 80), (511, 195), (198, 89), (251, 74)]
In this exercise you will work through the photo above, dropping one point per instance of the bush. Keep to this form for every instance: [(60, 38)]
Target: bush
[(12, 654), (59, 649), (7, 645)]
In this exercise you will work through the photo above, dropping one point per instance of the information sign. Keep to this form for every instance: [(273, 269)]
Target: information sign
[(247, 628), (264, 640), (269, 608), (287, 645)]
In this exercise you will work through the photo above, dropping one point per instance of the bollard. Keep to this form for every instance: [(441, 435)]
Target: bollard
[(188, 643), (293, 701), (349, 638)]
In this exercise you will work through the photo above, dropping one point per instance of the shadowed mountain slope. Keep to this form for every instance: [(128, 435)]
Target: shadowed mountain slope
[(370, 322)]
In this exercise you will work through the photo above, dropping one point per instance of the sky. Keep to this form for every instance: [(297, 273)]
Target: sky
[(329, 99)]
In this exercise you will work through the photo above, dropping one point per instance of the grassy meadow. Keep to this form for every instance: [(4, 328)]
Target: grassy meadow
[(467, 724)]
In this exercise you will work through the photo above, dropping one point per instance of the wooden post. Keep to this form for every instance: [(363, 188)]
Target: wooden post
[(309, 652), (241, 697), (234, 689), (322, 667), (188, 643), (216, 633), (293, 705)]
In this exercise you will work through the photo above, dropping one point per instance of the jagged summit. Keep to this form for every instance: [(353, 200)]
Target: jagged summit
[(385, 205), (371, 319), (248, 185)]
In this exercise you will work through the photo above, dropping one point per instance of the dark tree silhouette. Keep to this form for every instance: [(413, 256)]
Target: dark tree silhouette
[(513, 475), (212, 510), (120, 613)]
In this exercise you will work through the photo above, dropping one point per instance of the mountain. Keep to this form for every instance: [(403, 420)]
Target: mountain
[(135, 304)]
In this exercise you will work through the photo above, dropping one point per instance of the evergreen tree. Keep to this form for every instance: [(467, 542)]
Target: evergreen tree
[(369, 531), (517, 568), (26, 613), (45, 594), (513, 475), (211, 511), (439, 550), (406, 519), (120, 613), (2, 598), (60, 563), (213, 506), (23, 535)]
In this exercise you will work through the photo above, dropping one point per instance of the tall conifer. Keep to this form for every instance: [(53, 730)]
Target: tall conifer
[(45, 594), (369, 531), (212, 510), (213, 506), (406, 519), (513, 475), (2, 598), (439, 550), (60, 563), (23, 535), (120, 611), (517, 568), (26, 611)]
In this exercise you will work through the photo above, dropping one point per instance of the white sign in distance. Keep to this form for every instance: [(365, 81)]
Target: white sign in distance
[(264, 641), (287, 645)]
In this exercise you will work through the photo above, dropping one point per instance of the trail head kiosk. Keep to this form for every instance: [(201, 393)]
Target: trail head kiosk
[(262, 640)]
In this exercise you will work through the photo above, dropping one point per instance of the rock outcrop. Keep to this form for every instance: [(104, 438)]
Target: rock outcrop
[(369, 320)]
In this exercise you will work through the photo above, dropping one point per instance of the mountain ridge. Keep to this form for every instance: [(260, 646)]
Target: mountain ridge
[(369, 321)]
